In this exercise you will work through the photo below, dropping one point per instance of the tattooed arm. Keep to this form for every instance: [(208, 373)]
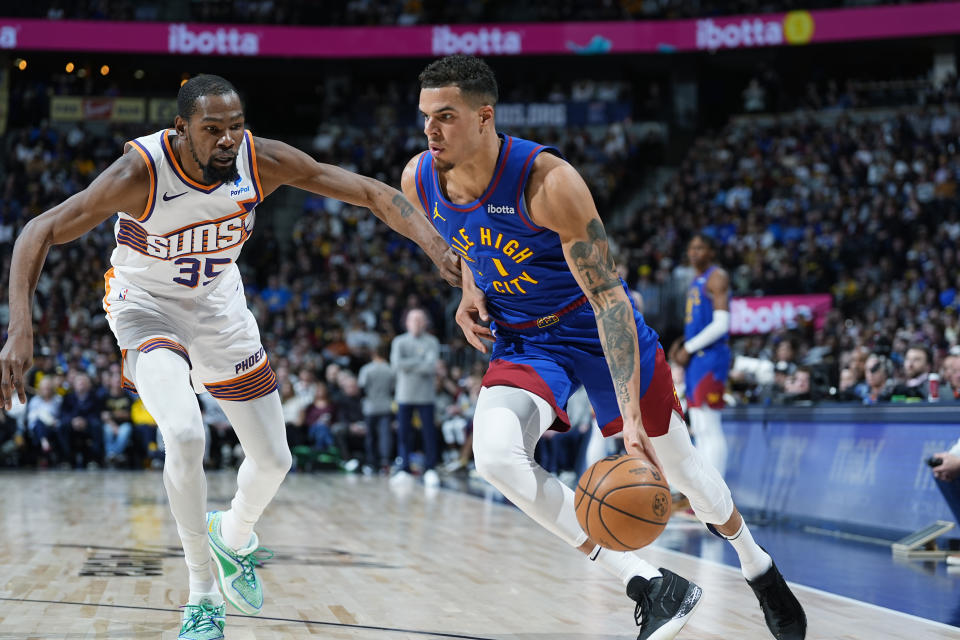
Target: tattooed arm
[(558, 199)]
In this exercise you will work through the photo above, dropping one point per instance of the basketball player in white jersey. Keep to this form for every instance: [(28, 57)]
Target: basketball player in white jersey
[(185, 199)]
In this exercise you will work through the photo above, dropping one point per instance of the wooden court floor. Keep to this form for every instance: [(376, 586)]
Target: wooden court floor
[(96, 555)]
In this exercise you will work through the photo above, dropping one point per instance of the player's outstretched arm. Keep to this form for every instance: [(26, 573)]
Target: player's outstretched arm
[(124, 186), (279, 163), (560, 200)]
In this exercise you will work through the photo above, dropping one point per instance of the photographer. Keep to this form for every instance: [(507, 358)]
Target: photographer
[(946, 473)]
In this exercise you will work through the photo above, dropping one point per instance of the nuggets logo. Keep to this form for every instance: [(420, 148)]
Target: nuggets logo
[(660, 505)]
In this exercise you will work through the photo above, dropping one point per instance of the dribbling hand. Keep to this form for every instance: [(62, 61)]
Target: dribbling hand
[(472, 310), (15, 359), (637, 442)]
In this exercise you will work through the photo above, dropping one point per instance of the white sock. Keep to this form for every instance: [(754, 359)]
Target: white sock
[(238, 535), (623, 564), (754, 561)]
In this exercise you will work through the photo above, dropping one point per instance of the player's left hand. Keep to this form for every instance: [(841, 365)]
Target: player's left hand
[(473, 310), (948, 469), (448, 263), (637, 442)]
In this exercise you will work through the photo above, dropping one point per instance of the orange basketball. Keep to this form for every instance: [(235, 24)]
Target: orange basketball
[(623, 502)]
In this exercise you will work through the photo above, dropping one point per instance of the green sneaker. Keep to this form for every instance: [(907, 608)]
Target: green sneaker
[(202, 621), (235, 569)]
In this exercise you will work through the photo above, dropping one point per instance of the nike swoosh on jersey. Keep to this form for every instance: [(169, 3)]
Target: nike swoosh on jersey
[(166, 197)]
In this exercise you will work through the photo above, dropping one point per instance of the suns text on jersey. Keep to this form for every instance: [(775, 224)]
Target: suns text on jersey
[(202, 238)]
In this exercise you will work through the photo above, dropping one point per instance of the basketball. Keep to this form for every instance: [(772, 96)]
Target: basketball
[(623, 502)]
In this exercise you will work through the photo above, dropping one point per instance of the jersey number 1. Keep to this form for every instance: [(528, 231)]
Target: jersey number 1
[(190, 268)]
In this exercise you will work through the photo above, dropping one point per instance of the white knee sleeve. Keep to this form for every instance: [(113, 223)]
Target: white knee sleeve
[(506, 427), (163, 382), (689, 473), (260, 428)]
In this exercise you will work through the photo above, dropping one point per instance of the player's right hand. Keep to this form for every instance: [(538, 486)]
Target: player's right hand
[(637, 442), (473, 310), (16, 358)]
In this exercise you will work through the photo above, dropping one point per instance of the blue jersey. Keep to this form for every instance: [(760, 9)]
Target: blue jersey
[(547, 340), (708, 368), (518, 265), (699, 312)]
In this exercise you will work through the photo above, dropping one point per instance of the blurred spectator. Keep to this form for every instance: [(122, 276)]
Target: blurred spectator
[(879, 373), (223, 448), (377, 380), (950, 378), (43, 420), (349, 427), (116, 423), (916, 371), (413, 356), (318, 419), (81, 427), (292, 406)]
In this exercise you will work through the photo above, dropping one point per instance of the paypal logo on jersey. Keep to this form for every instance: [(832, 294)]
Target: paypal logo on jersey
[(493, 208), (240, 190)]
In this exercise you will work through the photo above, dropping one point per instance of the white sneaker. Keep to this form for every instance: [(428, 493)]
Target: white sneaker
[(401, 479), (431, 478)]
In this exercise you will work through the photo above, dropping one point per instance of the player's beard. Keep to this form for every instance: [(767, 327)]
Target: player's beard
[(442, 166), (213, 174)]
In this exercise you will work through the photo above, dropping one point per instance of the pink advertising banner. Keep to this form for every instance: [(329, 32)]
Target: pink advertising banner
[(770, 313), (587, 38)]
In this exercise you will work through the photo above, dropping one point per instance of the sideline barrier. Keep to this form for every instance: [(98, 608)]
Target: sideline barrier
[(855, 469)]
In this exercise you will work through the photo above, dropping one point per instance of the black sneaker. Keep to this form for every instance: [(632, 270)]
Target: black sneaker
[(781, 609), (663, 604)]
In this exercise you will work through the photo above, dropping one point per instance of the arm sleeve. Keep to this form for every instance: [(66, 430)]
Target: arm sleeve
[(718, 327), (955, 449)]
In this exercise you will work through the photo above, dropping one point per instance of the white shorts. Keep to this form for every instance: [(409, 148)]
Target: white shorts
[(215, 333)]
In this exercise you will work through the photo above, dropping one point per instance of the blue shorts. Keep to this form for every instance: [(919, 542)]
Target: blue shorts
[(707, 377), (553, 362)]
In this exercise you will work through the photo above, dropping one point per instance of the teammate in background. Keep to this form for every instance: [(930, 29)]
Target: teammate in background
[(185, 199), (706, 350), (535, 255)]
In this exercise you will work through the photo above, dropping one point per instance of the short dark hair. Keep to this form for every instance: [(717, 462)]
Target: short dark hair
[(923, 349), (705, 239), (470, 74), (205, 84)]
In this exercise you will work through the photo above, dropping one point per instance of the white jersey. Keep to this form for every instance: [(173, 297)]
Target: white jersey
[(190, 234)]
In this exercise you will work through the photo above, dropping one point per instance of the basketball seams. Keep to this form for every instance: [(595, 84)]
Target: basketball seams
[(600, 516), (586, 520), (591, 490), (626, 513)]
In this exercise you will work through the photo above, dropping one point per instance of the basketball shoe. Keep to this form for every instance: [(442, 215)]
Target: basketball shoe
[(202, 621), (664, 605), (236, 568), (781, 609)]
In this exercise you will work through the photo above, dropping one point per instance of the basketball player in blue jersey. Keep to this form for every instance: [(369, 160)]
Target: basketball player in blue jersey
[(185, 199), (536, 262), (705, 351)]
